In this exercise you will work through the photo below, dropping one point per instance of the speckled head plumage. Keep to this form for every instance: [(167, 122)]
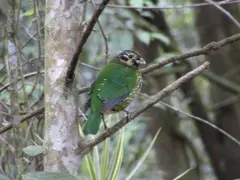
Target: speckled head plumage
[(131, 59)]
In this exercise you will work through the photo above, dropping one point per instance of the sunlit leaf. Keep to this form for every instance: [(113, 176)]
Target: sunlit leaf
[(96, 162), (161, 37), (117, 158), (33, 150), (136, 2), (184, 173), (105, 160), (144, 36), (91, 169), (28, 13)]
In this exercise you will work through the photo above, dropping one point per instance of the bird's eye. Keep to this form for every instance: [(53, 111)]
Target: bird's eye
[(130, 56)]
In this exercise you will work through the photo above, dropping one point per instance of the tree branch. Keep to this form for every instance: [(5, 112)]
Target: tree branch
[(22, 119), (24, 76), (222, 82), (208, 49), (84, 147), (224, 11), (86, 33)]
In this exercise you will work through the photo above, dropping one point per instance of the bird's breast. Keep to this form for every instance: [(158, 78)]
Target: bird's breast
[(125, 102)]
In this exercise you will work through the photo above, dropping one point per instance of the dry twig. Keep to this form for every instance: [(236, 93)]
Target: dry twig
[(86, 33), (23, 118), (224, 11)]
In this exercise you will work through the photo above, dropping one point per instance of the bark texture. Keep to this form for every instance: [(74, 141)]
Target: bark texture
[(62, 26)]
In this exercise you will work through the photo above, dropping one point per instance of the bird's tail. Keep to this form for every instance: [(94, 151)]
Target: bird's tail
[(93, 123)]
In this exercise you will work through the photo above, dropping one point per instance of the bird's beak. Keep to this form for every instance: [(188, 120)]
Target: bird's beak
[(141, 61)]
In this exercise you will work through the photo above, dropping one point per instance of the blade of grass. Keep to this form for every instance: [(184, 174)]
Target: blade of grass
[(184, 173), (105, 159), (97, 162), (140, 162), (117, 158), (90, 166)]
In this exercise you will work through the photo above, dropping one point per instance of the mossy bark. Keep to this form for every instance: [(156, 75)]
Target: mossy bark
[(62, 26)]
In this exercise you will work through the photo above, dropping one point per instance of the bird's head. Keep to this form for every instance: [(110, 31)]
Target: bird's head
[(131, 59)]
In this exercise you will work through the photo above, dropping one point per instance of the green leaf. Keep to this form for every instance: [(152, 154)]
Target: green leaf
[(91, 169), (136, 2), (149, 3), (38, 137), (33, 150), (2, 177), (184, 173), (28, 13), (161, 37), (48, 176), (105, 160), (144, 36), (97, 161), (117, 158), (140, 162)]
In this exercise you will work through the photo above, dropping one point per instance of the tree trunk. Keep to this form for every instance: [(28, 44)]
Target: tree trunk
[(61, 128), (213, 25), (169, 148)]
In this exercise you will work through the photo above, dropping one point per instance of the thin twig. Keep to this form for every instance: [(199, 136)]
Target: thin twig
[(25, 76), (198, 119), (86, 33), (41, 96), (12, 61), (85, 147), (89, 66), (23, 118), (208, 49), (104, 37), (30, 38), (222, 82), (226, 102), (39, 50), (105, 43), (224, 11)]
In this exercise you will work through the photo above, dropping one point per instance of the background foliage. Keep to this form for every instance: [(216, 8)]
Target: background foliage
[(157, 35)]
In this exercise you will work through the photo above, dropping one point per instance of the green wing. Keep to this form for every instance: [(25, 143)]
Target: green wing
[(113, 85)]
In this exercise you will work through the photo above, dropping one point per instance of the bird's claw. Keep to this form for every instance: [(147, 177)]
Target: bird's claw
[(127, 112)]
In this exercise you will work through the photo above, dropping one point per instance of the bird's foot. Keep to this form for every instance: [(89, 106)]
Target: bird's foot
[(107, 130), (105, 126), (104, 123), (127, 114)]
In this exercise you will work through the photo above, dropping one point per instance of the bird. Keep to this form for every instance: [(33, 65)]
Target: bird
[(115, 87)]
